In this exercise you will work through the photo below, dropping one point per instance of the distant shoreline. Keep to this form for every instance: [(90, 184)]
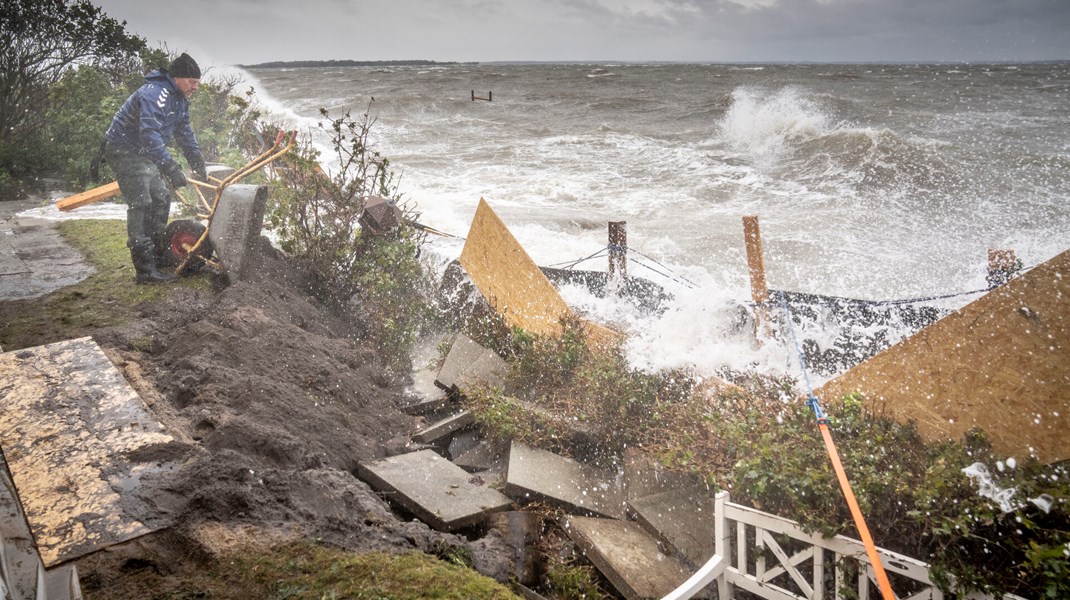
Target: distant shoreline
[(300, 64)]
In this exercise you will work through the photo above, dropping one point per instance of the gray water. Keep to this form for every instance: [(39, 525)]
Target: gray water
[(871, 181)]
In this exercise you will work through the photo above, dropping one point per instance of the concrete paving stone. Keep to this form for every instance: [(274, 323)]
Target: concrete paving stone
[(536, 474), (439, 430), (463, 441), (34, 258), (467, 364), (437, 492), (488, 454), (236, 226), (684, 518), (645, 476), (628, 556)]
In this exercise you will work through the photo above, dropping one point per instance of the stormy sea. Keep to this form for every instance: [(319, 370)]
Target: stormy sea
[(876, 186)]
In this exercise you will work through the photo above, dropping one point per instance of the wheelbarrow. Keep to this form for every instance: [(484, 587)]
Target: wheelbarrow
[(190, 244)]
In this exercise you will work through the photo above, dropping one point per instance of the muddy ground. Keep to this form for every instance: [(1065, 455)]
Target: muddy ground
[(274, 400)]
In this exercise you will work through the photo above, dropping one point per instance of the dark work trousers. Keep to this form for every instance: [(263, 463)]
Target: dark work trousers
[(147, 196)]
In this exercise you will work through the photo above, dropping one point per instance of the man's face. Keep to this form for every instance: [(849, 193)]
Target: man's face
[(187, 85)]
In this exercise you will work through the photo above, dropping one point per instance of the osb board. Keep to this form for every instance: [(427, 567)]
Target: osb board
[(70, 429), (513, 283), (1001, 363)]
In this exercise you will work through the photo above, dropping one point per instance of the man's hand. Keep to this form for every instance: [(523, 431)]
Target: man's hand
[(199, 170), (174, 175)]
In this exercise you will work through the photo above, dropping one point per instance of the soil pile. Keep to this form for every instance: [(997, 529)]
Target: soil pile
[(274, 401)]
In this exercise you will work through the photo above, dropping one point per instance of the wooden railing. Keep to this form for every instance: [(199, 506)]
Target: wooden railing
[(775, 558)]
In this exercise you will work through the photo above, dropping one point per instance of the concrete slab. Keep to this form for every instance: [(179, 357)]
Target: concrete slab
[(436, 491), (79, 442), (487, 455), (1001, 363), (627, 556), (468, 364), (536, 474), (236, 226), (644, 476), (462, 442), (34, 258), (439, 430), (683, 518)]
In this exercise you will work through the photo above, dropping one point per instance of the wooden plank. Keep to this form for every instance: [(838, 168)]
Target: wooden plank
[(513, 283), (79, 443), (1001, 363), (89, 196)]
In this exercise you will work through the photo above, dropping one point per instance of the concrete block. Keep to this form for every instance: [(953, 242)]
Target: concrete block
[(645, 476), (436, 491), (487, 455), (467, 364), (540, 475), (683, 518), (628, 556), (236, 226), (463, 441), (439, 430)]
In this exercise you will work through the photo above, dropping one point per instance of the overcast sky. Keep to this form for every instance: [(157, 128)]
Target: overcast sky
[(220, 32)]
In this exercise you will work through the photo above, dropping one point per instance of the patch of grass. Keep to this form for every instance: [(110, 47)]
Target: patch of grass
[(305, 570), (107, 297)]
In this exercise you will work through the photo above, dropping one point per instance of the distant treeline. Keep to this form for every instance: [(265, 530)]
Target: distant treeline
[(295, 64)]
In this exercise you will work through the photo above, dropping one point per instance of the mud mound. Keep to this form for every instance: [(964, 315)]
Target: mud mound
[(274, 400)]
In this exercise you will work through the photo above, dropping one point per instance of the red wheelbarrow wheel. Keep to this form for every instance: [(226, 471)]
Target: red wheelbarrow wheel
[(178, 238)]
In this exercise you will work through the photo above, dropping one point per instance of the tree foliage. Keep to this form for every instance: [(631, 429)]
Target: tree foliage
[(42, 40)]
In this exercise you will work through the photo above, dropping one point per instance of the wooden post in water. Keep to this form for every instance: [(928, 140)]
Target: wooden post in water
[(618, 252), (752, 235), (1002, 264)]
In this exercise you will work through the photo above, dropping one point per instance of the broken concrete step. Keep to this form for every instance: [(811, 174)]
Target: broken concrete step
[(433, 489), (683, 518), (443, 428), (536, 474), (628, 556), (468, 364)]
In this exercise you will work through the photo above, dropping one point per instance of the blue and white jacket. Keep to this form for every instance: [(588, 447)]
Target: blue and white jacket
[(151, 117)]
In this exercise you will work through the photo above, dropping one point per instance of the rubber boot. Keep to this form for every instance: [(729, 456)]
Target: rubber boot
[(144, 259)]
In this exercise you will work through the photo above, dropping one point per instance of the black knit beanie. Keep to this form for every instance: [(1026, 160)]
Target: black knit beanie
[(184, 67)]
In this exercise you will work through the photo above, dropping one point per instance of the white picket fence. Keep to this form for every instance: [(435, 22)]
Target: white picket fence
[(773, 558)]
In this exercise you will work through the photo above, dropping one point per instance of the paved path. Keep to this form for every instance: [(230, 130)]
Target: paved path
[(34, 258)]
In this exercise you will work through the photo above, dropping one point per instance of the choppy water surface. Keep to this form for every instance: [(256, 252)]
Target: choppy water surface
[(871, 181)]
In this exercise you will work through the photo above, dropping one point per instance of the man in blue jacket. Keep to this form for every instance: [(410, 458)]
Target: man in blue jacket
[(136, 150)]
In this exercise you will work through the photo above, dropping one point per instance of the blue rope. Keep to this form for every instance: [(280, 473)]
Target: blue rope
[(811, 399)]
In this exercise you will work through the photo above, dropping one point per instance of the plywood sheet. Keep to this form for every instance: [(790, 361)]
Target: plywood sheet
[(71, 429), (513, 283), (1001, 363)]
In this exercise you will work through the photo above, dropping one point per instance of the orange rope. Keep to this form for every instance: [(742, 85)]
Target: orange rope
[(856, 512)]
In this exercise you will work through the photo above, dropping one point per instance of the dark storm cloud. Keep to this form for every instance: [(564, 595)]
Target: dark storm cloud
[(245, 31)]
